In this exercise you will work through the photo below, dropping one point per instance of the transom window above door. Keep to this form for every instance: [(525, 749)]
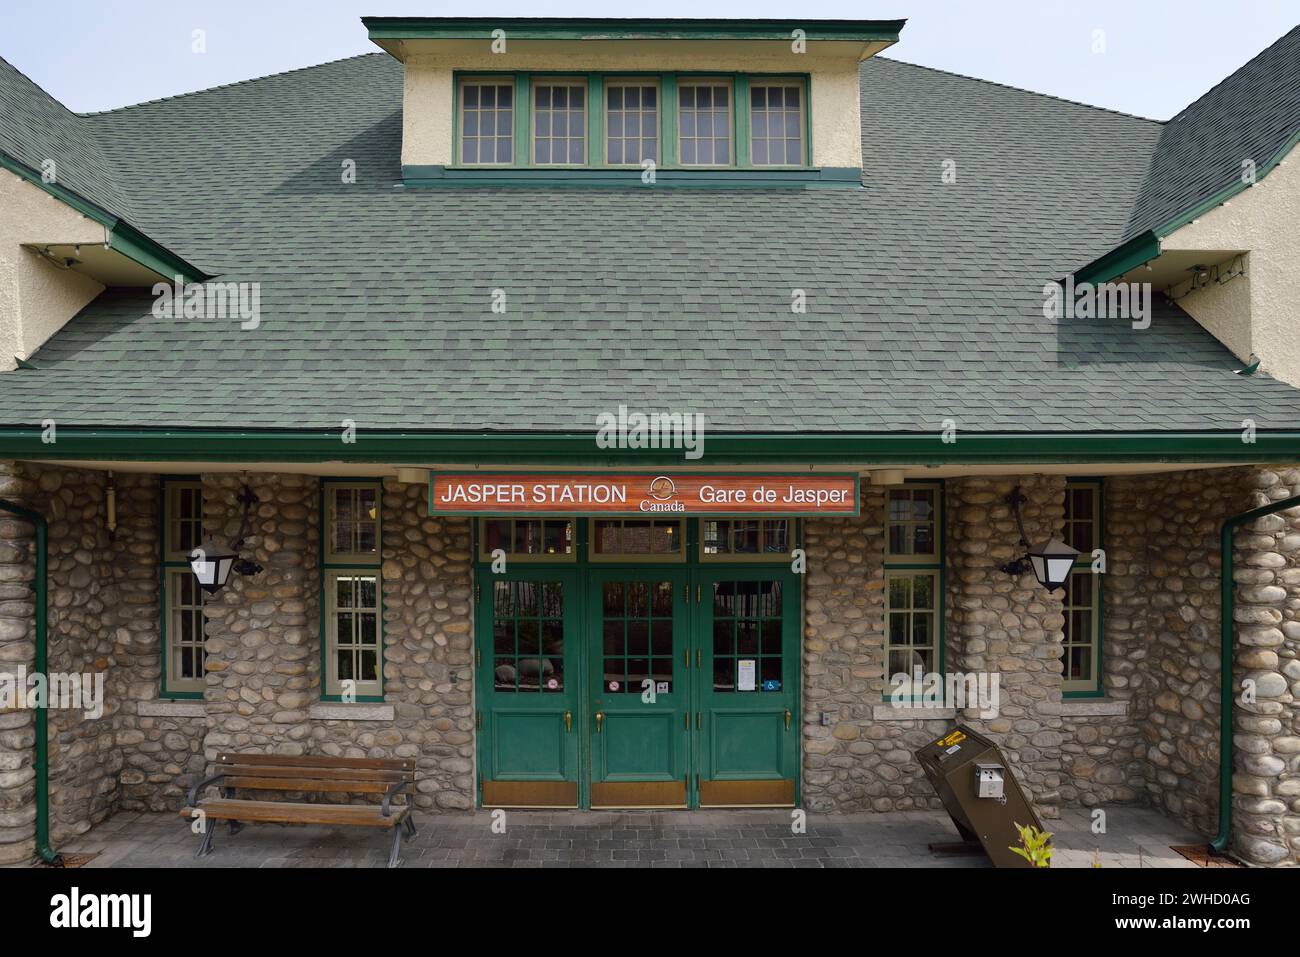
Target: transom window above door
[(596, 121)]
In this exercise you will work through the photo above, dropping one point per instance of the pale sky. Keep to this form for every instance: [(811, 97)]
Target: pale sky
[(1153, 57)]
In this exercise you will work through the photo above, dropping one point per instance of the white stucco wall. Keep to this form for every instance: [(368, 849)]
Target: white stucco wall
[(1259, 312), (836, 122), (37, 297)]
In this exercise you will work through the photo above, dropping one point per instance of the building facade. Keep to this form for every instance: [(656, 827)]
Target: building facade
[(441, 265)]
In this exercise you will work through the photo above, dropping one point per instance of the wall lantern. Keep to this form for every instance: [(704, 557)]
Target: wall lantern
[(1051, 562), (213, 564)]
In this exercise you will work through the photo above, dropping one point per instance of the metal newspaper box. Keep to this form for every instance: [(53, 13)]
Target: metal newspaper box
[(979, 791)]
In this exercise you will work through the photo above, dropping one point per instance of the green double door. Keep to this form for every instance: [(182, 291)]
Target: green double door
[(625, 686)]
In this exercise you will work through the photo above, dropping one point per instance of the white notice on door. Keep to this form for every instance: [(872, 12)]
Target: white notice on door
[(745, 674)]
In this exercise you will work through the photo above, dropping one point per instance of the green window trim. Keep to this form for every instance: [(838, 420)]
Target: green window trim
[(1090, 687), (363, 565), (911, 565), (523, 149), (172, 563)]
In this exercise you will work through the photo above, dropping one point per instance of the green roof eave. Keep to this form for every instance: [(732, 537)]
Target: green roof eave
[(565, 28), (1138, 250), (579, 449), (122, 236)]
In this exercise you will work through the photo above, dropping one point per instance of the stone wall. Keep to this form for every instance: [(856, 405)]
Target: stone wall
[(1010, 626), (1162, 617), (261, 630)]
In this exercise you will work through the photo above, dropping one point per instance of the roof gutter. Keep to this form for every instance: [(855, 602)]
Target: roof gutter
[(42, 744), (1221, 840), (580, 448)]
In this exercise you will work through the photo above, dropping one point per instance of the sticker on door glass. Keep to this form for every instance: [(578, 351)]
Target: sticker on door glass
[(613, 686), (663, 687), (771, 684), (745, 674)]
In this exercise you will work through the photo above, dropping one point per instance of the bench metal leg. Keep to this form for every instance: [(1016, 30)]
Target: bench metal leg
[(394, 858), (205, 846), (408, 822)]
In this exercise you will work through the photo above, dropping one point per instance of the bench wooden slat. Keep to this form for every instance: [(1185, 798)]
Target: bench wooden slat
[(264, 782), (315, 761), (283, 812), (320, 773)]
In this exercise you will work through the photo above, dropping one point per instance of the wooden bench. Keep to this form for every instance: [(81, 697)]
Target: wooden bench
[(311, 774)]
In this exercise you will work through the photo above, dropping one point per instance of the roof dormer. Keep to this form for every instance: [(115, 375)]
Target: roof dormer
[(629, 102)]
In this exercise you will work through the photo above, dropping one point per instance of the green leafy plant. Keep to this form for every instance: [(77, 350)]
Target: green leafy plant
[(1035, 845)]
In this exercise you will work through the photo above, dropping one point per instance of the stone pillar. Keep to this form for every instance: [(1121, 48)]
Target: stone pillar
[(260, 629), (1266, 783), (1010, 626), (17, 651)]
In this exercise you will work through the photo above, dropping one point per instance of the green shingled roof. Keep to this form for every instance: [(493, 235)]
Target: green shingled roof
[(924, 299)]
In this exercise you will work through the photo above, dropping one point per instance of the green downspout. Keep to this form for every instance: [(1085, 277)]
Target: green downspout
[(1220, 843), (47, 853)]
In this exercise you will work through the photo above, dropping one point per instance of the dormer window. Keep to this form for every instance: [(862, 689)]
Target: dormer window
[(560, 122), (632, 102), (704, 134), (631, 122), (487, 122), (777, 123), (714, 122)]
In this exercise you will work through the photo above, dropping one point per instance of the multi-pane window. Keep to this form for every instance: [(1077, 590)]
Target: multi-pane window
[(182, 600), (639, 537), (740, 538), (911, 523), (525, 539), (704, 131), (528, 636), (1081, 645), (185, 631), (637, 637), (352, 522), (913, 585), (776, 123), (620, 122), (352, 648), (631, 123), (352, 617), (912, 621), (487, 122), (747, 636), (560, 123)]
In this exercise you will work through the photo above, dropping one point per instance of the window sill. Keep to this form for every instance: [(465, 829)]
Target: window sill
[(888, 712), (1093, 708), (335, 711), (172, 708), (810, 178)]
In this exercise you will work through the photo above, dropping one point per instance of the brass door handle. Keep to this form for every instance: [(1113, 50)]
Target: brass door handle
[(568, 722), (787, 719), (600, 717)]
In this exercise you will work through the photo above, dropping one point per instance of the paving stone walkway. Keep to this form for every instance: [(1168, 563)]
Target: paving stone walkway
[(1135, 838)]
